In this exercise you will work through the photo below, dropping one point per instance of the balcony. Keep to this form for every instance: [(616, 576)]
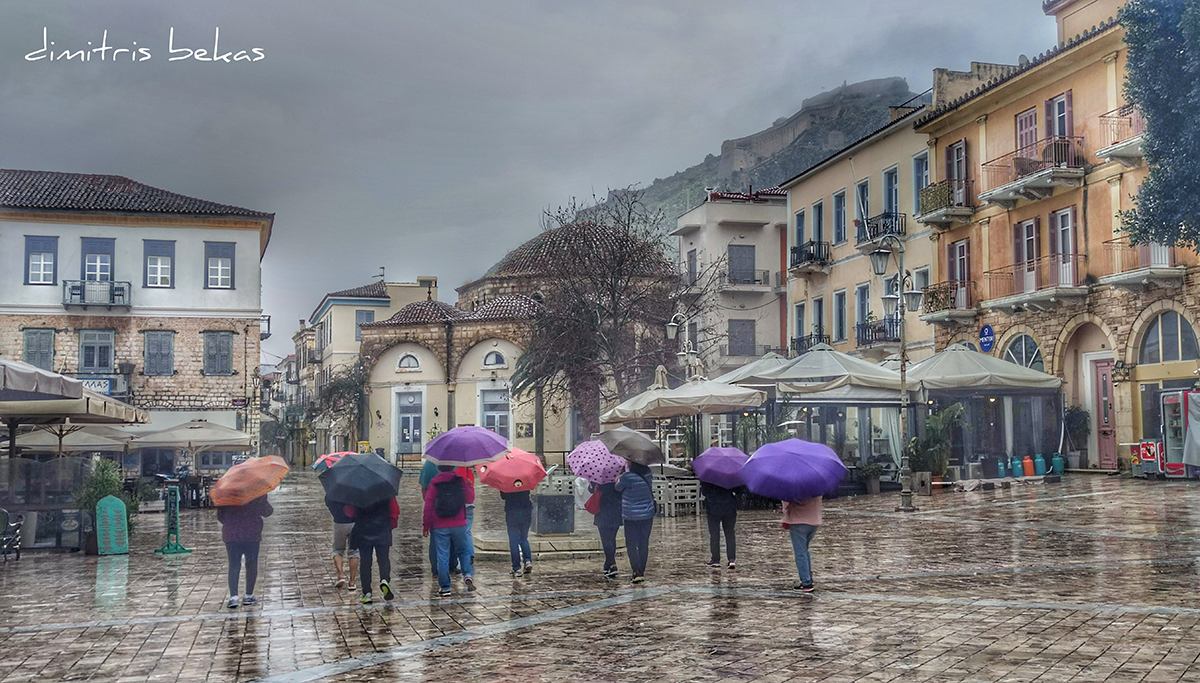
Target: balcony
[(810, 257), (1134, 267), (86, 293), (1033, 171), (1122, 130), (1036, 285), (877, 227), (878, 332), (802, 345), (745, 281), (949, 302), (781, 281), (264, 327), (744, 352), (945, 203)]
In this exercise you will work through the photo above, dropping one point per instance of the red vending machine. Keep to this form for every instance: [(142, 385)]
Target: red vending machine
[(1177, 458)]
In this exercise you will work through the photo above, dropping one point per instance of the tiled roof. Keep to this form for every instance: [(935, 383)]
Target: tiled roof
[(421, 312), (90, 192), (375, 290), (531, 257), (1017, 71), (750, 196), (506, 307)]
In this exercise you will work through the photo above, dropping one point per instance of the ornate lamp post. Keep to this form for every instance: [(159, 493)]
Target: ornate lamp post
[(687, 351), (893, 303)]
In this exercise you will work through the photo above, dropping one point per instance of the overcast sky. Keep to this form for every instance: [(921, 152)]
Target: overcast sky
[(427, 137)]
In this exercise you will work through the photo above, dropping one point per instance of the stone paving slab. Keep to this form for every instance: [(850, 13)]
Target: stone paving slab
[(1092, 579)]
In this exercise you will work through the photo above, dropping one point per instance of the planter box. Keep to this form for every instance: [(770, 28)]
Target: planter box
[(553, 514)]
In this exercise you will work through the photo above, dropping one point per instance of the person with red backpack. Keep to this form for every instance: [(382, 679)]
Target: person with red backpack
[(445, 519)]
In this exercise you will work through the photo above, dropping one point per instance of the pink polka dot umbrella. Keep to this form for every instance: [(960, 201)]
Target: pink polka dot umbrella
[(593, 461)]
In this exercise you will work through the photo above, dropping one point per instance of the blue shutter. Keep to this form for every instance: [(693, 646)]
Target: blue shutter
[(225, 353), (210, 352), (152, 353)]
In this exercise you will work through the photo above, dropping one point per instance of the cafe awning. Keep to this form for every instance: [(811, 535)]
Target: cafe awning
[(958, 367), (24, 382)]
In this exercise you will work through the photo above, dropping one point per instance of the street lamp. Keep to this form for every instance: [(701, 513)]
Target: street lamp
[(687, 351), (894, 304)]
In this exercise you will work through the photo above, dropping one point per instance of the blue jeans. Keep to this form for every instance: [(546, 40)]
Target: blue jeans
[(453, 553), (518, 537), (457, 539), (801, 535)]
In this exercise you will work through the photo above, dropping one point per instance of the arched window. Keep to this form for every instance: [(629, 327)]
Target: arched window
[(1168, 338), (408, 362), (493, 359), (1024, 351)]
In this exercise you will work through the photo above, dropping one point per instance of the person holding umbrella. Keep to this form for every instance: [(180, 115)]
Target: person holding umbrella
[(342, 526), (593, 461), (367, 486), (720, 473), (241, 499), (514, 475), (801, 519), (428, 471), (445, 519), (637, 492)]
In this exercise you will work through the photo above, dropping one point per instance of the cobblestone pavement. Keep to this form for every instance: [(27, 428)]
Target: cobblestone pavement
[(1093, 579)]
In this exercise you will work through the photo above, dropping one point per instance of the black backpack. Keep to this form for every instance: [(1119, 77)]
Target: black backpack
[(449, 499)]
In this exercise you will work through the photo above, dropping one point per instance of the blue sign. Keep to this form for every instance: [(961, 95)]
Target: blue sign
[(987, 339)]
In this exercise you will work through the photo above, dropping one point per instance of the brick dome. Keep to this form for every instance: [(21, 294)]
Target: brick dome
[(420, 312), (507, 307)]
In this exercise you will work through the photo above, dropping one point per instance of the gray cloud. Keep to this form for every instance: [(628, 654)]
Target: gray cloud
[(427, 137)]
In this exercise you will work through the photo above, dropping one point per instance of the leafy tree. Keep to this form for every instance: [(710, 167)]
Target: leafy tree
[(1163, 82)]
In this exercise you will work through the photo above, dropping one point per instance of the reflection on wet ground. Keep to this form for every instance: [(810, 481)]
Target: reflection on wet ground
[(1093, 579)]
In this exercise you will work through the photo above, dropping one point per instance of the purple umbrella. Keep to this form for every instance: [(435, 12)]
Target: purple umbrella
[(721, 467), (793, 470), (593, 461), (466, 447)]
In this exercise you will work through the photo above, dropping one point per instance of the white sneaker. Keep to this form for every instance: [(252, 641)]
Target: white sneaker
[(233, 602)]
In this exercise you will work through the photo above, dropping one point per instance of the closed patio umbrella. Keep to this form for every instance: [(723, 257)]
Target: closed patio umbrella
[(697, 396), (195, 436)]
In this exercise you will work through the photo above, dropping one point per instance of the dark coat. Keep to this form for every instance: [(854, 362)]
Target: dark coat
[(610, 506), (373, 526), (338, 510), (637, 496), (718, 501), (517, 502), (243, 523)]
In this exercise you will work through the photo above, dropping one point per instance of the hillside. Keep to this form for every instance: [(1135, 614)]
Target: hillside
[(825, 123)]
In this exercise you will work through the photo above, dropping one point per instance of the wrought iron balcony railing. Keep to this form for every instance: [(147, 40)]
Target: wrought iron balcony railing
[(1028, 277), (745, 350), (1122, 124), (947, 193), (801, 345), (890, 223), (811, 253), (877, 331), (746, 277), (96, 293), (1058, 151), (1124, 257), (948, 295)]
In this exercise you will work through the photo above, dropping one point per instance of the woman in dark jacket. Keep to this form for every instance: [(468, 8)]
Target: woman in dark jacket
[(637, 512), (608, 521), (372, 532), (241, 529), (721, 505)]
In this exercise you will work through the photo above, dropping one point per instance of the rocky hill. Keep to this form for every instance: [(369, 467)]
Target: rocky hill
[(825, 123)]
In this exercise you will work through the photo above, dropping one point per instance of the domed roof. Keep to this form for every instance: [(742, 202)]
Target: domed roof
[(420, 312), (507, 307), (531, 258)]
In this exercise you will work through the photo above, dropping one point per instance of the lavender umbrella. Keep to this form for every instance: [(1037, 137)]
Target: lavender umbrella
[(593, 461), (793, 470), (466, 447), (721, 467)]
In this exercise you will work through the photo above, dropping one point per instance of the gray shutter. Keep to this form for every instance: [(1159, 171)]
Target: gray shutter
[(166, 345), (226, 353), (152, 353), (29, 353), (45, 340), (211, 342)]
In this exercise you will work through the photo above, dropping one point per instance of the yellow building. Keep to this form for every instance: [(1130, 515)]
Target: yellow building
[(1031, 171)]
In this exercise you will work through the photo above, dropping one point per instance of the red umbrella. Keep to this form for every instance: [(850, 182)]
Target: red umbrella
[(328, 460), (516, 470), (246, 481)]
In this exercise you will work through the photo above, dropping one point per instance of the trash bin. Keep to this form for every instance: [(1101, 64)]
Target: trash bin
[(553, 514), (988, 464)]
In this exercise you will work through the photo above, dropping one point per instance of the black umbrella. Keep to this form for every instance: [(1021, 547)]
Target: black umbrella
[(632, 445), (361, 480)]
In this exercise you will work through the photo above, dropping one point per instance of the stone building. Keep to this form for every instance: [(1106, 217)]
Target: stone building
[(146, 295), (1032, 169)]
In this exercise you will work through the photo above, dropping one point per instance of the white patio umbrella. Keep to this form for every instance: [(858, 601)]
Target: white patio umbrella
[(89, 408), (697, 396), (24, 382), (195, 436), (55, 440), (769, 361), (823, 368), (958, 367)]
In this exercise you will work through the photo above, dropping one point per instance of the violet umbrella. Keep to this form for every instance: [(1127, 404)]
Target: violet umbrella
[(721, 467), (593, 461), (793, 470), (465, 447)]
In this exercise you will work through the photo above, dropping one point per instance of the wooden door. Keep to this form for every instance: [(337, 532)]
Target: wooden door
[(1104, 419)]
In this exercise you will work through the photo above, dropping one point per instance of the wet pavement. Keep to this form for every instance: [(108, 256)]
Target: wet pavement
[(1093, 579)]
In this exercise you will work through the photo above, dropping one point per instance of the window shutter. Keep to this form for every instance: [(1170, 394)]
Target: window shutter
[(1018, 252), (166, 363), (1037, 237), (29, 353), (1052, 235), (949, 162), (966, 276), (1070, 115), (1074, 231), (1049, 108), (210, 353), (152, 353), (226, 353), (951, 272)]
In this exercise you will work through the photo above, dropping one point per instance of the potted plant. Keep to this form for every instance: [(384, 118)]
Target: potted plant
[(870, 472), (939, 430), (102, 481), (1077, 423)]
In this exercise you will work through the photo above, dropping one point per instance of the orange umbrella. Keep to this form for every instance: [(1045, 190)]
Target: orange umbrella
[(246, 481), (516, 470)]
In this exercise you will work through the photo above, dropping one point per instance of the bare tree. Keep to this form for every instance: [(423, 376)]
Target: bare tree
[(610, 289), (343, 396)]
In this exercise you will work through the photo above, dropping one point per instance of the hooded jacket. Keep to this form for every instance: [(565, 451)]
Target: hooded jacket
[(430, 520), (637, 496)]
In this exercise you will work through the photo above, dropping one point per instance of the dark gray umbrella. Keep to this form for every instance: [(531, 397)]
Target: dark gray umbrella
[(632, 445), (361, 480)]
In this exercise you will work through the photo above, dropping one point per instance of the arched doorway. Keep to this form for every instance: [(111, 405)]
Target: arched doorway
[(1087, 362)]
